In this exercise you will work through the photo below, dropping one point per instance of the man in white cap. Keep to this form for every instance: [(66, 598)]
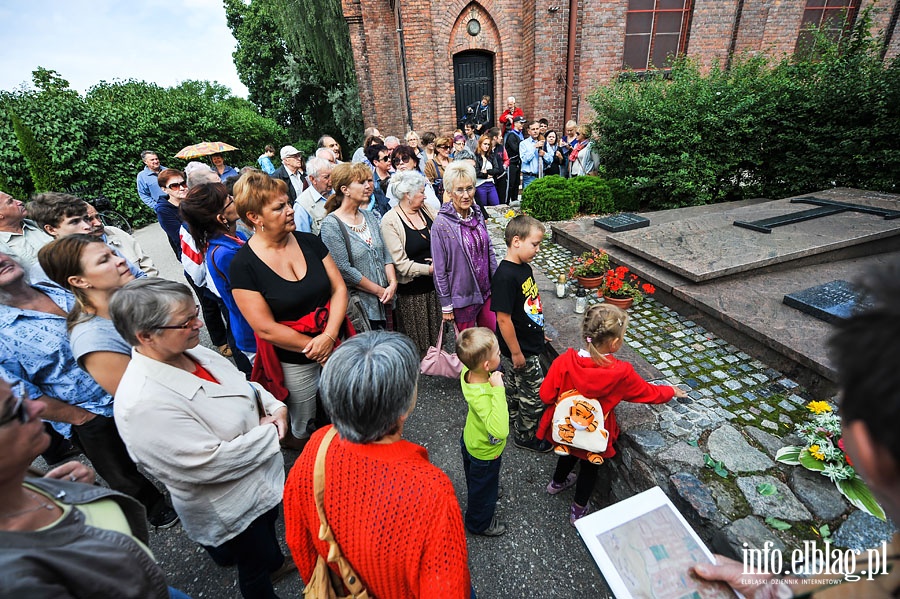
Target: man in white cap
[(291, 172)]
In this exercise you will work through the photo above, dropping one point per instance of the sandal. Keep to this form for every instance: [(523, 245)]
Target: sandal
[(225, 350)]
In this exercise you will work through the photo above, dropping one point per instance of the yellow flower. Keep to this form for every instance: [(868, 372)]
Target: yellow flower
[(816, 452), (818, 407), (510, 213)]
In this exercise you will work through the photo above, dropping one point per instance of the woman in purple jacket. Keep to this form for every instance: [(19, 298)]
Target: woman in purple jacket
[(463, 255)]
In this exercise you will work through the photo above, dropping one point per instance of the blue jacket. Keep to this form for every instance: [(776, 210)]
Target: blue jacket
[(219, 255)]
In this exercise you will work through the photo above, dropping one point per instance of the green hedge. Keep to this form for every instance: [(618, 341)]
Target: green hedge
[(556, 198), (761, 128), (95, 140)]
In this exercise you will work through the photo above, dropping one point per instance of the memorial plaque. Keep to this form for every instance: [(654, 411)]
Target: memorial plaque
[(622, 222), (831, 302)]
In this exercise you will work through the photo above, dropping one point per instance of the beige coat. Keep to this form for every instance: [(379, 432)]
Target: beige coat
[(394, 234), (203, 441)]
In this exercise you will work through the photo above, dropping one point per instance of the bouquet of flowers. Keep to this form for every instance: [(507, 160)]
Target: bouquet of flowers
[(619, 283), (823, 452), (589, 264)]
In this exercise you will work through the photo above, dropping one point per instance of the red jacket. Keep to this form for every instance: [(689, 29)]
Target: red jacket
[(394, 515), (610, 385), (267, 370), (505, 121)]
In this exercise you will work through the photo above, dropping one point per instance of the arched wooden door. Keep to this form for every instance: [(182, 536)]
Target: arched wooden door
[(473, 77)]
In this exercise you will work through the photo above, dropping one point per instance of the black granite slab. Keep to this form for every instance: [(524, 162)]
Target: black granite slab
[(622, 222), (832, 302)]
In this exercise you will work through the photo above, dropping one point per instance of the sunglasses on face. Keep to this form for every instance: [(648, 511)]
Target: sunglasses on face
[(177, 185), (443, 147), (19, 410), (189, 323), (384, 159)]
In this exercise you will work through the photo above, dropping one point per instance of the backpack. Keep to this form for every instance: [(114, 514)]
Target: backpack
[(579, 422)]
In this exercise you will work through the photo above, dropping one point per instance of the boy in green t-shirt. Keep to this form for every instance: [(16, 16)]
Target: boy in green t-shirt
[(486, 430)]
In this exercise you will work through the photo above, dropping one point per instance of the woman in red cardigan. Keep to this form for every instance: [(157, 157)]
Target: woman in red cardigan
[(393, 513)]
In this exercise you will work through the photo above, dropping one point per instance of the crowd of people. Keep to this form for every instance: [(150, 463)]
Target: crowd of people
[(325, 282)]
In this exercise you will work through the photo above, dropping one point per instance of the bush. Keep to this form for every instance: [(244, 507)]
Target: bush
[(549, 198), (591, 194), (761, 128), (95, 141), (625, 196)]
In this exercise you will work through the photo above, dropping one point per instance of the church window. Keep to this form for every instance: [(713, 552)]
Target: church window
[(655, 30), (833, 17)]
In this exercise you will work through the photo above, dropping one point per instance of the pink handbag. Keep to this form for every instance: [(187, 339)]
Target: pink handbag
[(437, 362)]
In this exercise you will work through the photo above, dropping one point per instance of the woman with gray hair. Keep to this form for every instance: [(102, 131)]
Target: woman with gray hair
[(191, 418), (378, 486), (463, 255), (406, 231)]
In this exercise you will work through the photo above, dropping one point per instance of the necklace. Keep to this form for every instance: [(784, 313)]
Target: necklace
[(360, 228), (34, 497), (413, 227)]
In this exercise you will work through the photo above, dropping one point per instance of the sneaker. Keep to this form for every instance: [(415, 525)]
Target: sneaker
[(555, 488), (577, 512), (494, 530), (533, 444), (165, 517)]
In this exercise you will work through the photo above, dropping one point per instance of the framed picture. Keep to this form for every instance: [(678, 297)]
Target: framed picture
[(645, 549)]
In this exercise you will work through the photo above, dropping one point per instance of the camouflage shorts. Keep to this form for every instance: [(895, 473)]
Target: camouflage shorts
[(523, 388)]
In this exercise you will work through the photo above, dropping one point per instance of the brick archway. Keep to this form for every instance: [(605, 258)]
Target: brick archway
[(489, 39)]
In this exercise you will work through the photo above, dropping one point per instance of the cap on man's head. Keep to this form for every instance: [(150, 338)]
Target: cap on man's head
[(289, 151), (520, 119)]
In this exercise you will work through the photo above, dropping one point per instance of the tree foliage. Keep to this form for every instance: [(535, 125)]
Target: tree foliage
[(762, 128), (95, 140), (295, 59)]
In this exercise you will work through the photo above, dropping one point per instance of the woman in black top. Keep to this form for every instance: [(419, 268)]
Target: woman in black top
[(282, 280), (487, 169), (406, 231)]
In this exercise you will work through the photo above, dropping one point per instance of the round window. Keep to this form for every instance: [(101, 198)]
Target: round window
[(473, 27)]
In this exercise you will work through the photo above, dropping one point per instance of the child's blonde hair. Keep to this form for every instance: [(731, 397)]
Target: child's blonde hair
[(474, 346), (603, 323)]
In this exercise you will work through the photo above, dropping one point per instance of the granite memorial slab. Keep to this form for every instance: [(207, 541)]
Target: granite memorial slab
[(707, 247), (832, 302), (826, 208), (617, 223)]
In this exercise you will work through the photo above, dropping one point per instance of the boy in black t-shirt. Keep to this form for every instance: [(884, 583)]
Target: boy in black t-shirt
[(520, 329)]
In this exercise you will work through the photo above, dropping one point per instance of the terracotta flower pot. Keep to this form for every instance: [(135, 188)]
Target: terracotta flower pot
[(590, 282), (620, 302)]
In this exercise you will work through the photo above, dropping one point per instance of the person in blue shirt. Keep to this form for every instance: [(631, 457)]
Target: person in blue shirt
[(147, 186), (35, 352), (223, 170), (265, 160), (532, 154)]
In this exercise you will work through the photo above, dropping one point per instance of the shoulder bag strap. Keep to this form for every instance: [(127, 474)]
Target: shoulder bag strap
[(346, 236), (350, 578)]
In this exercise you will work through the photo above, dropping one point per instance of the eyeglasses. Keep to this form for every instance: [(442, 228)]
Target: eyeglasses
[(227, 204), (19, 410), (443, 147), (178, 185), (189, 323), (464, 190), (384, 159)]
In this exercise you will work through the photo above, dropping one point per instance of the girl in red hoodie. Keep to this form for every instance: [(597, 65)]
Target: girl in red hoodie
[(594, 373)]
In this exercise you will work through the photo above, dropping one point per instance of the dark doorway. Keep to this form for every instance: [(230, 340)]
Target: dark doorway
[(473, 77)]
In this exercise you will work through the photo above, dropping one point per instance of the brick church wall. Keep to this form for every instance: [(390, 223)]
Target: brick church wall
[(528, 42)]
